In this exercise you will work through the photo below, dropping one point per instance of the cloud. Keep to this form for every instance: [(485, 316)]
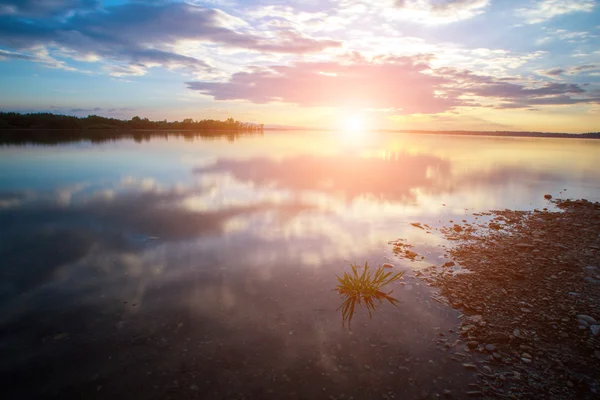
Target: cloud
[(506, 94), (444, 11), (134, 37), (543, 10), (565, 36), (10, 55), (45, 8), (80, 110), (36, 54), (407, 84), (557, 73), (398, 83)]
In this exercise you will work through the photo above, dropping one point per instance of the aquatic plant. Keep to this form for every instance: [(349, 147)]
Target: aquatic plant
[(358, 288)]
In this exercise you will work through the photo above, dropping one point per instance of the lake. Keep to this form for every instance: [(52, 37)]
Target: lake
[(205, 266)]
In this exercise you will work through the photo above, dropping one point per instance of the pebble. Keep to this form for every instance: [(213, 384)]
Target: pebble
[(524, 246), (587, 318), (472, 344), (469, 366), (526, 355), (497, 356), (490, 347)]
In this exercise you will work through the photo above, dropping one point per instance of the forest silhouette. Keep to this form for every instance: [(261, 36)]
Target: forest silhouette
[(12, 120)]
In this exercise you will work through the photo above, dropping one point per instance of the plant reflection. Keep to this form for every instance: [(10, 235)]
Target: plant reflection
[(364, 288)]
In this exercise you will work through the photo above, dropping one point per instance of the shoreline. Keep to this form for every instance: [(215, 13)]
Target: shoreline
[(531, 302)]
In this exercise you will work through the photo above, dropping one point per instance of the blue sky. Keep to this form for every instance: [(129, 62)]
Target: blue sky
[(405, 64)]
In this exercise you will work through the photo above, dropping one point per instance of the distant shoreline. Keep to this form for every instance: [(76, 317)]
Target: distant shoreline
[(587, 135), (91, 133)]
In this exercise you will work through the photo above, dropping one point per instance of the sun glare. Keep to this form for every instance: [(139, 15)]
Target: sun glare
[(353, 124)]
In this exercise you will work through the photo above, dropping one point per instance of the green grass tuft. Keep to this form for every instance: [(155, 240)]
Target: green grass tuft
[(358, 288)]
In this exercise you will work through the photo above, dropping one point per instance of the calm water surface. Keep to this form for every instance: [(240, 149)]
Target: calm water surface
[(180, 268)]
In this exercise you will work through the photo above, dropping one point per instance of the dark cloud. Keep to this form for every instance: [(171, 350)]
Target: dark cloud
[(9, 55), (401, 83), (515, 95), (555, 72), (585, 67), (45, 8), (407, 84), (78, 110), (142, 35)]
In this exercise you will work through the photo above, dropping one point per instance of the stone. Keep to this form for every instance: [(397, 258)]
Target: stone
[(587, 318), (526, 355), (497, 356), (490, 348), (448, 264), (548, 196), (472, 344), (469, 366), (388, 265), (524, 246), (498, 337), (595, 329)]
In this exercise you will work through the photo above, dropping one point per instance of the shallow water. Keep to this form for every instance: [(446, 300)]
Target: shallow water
[(183, 267)]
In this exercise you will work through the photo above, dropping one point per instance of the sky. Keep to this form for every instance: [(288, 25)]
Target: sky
[(387, 64)]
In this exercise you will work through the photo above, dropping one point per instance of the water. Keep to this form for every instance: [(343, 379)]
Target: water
[(187, 267)]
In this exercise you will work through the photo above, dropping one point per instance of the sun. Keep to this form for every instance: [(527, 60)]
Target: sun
[(353, 124)]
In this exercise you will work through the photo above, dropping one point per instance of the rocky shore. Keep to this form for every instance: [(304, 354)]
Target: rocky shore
[(528, 286)]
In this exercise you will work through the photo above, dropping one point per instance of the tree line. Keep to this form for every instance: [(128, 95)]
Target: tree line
[(12, 120)]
